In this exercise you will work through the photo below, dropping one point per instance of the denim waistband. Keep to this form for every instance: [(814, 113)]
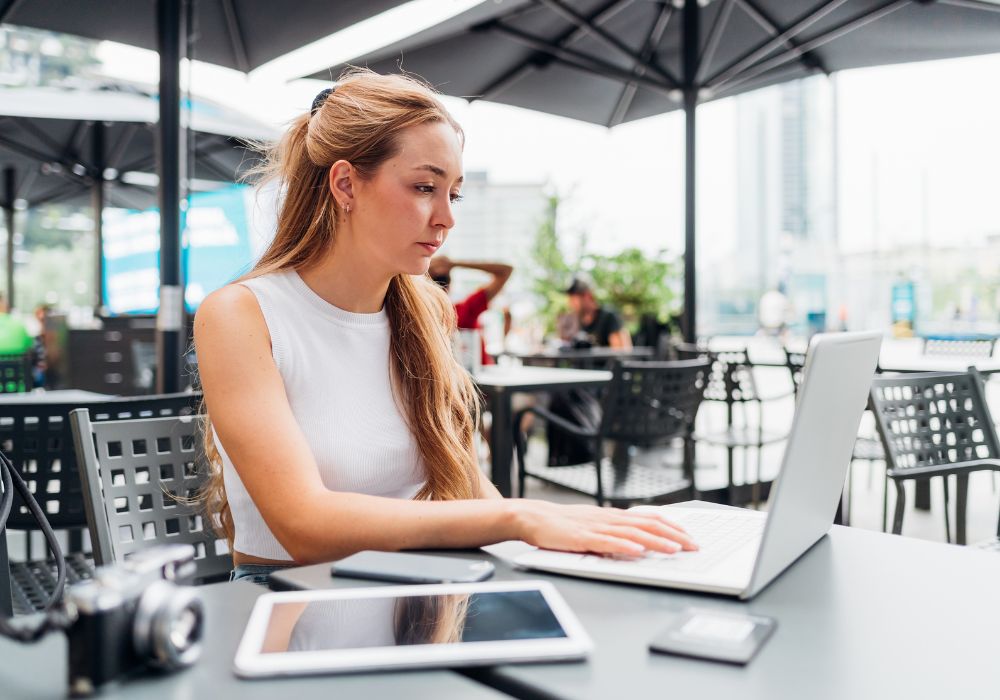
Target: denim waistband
[(255, 573)]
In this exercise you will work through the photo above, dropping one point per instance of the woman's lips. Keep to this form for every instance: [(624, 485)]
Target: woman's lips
[(430, 247)]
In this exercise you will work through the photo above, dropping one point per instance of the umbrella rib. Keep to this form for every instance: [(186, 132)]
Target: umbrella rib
[(652, 39), (754, 55), (523, 68), (579, 60), (714, 37), (32, 128), (561, 8), (38, 156), (5, 12), (118, 150), (75, 144), (204, 160), (56, 194), (771, 27), (825, 38), (973, 4), (235, 32)]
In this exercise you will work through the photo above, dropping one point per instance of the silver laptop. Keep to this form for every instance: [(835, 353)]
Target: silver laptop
[(742, 551)]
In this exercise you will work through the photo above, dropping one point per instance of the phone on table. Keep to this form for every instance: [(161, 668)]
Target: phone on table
[(400, 567)]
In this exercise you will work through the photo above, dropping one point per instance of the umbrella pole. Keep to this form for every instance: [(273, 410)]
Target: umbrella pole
[(9, 195), (170, 342), (690, 55), (97, 202)]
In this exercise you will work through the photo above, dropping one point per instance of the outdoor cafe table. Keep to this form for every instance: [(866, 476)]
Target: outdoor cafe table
[(37, 671), (56, 396), (500, 383), (846, 618), (584, 358)]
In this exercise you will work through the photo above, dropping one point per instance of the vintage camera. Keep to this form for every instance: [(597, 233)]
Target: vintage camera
[(134, 615)]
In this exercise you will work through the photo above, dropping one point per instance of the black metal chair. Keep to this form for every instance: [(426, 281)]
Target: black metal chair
[(795, 361), (141, 479), (935, 424), (962, 348), (15, 373), (36, 437), (646, 404), (731, 382)]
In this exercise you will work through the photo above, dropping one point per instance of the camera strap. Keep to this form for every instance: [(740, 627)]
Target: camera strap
[(55, 616)]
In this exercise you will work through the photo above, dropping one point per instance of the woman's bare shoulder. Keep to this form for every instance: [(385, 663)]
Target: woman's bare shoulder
[(229, 309)]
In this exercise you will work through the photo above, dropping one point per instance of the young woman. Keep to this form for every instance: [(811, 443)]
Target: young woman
[(339, 420)]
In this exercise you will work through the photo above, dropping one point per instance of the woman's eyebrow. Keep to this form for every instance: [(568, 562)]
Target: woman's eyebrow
[(440, 172)]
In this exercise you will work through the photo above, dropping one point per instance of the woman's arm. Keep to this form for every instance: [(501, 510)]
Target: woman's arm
[(250, 412)]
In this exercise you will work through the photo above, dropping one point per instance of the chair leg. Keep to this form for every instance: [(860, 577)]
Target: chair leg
[(731, 489), (598, 463), (519, 450), (947, 506), (897, 519), (961, 504), (6, 584), (848, 489), (885, 503)]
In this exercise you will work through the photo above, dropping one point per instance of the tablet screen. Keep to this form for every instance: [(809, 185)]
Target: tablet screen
[(393, 621)]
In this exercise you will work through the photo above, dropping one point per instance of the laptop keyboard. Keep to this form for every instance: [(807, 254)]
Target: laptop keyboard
[(718, 535)]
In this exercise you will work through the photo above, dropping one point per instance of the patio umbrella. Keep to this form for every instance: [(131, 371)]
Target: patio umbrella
[(240, 34), (613, 61), (68, 145)]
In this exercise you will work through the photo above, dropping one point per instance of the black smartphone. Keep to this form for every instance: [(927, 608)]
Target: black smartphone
[(400, 567)]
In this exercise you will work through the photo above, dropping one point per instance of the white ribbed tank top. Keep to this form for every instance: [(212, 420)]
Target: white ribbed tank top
[(335, 367)]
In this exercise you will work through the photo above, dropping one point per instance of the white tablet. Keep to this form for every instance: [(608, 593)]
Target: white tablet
[(451, 624)]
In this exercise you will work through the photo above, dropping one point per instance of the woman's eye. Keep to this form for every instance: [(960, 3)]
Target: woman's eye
[(426, 189), (456, 198)]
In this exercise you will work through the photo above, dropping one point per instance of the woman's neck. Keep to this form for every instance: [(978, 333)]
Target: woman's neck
[(341, 280)]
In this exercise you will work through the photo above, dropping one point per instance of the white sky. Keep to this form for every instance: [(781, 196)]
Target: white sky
[(919, 155)]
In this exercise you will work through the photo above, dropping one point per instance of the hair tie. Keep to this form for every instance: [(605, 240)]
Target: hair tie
[(319, 100)]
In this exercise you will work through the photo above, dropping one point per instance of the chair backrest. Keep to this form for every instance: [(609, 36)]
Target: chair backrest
[(650, 401), (971, 348), (141, 478), (15, 373), (731, 378), (933, 420), (795, 362), (37, 439)]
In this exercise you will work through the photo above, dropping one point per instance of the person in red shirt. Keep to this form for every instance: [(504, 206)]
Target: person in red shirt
[(471, 308)]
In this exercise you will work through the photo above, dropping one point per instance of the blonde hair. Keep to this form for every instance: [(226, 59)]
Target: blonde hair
[(361, 122)]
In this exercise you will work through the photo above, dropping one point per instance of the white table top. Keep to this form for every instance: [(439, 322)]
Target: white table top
[(514, 377), (57, 396)]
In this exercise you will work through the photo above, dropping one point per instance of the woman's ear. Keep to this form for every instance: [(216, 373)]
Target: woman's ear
[(341, 178)]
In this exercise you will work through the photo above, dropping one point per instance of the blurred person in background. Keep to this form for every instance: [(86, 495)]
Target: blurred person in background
[(598, 326), (14, 337), (472, 307)]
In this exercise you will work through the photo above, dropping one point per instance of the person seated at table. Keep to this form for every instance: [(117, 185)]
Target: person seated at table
[(469, 310), (599, 325), (337, 419), (587, 325)]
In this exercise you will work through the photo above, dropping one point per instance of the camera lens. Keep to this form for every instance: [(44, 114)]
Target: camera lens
[(168, 626)]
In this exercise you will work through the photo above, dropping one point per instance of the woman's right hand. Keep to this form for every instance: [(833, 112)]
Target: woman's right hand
[(584, 528)]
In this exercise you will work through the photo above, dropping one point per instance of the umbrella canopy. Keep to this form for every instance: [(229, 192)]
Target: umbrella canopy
[(612, 61), (68, 145), (61, 141), (239, 34)]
